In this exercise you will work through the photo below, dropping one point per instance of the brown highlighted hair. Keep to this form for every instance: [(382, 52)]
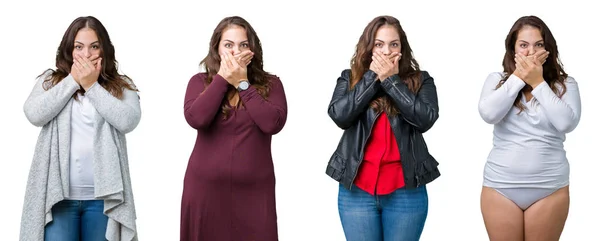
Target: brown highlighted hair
[(256, 75), (408, 68), (553, 70), (109, 77)]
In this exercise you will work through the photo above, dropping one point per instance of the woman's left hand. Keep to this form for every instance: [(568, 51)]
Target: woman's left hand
[(86, 71), (529, 68), (385, 66)]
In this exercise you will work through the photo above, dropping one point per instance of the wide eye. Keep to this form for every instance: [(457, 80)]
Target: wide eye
[(395, 45)]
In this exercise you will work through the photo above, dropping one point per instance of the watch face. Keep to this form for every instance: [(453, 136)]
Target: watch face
[(244, 85)]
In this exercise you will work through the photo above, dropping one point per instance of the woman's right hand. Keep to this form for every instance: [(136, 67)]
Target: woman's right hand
[(385, 66), (530, 68), (539, 58), (231, 70), (86, 71)]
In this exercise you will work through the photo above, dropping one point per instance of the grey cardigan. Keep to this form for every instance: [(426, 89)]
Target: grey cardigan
[(48, 181)]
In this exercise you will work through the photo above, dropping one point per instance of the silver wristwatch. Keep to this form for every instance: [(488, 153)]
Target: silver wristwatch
[(244, 84)]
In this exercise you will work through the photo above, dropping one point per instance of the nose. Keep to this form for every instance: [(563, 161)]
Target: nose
[(236, 50), (87, 53), (531, 50), (386, 50)]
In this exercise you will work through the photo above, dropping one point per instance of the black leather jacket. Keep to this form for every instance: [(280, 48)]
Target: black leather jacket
[(350, 110)]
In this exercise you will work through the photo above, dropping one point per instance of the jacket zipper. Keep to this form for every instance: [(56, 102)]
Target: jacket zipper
[(415, 163), (362, 151), (413, 144), (412, 153)]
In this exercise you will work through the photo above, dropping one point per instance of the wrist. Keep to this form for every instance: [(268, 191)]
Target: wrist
[(536, 83), (386, 77), (88, 86), (519, 77), (242, 85), (236, 82)]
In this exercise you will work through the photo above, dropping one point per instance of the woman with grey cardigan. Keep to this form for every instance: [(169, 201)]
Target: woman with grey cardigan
[(79, 186)]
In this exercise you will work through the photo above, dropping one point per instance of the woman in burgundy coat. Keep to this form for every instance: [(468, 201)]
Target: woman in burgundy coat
[(236, 107)]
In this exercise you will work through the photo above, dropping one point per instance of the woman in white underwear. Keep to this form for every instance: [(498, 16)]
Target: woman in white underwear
[(532, 104)]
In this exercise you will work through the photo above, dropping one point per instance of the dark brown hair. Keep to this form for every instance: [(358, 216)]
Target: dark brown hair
[(408, 68), (256, 75), (109, 77), (553, 69)]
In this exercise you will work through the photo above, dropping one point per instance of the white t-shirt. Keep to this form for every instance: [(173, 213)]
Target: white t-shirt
[(81, 165)]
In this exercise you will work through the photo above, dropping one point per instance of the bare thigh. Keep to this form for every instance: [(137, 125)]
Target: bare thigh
[(545, 219), (503, 219)]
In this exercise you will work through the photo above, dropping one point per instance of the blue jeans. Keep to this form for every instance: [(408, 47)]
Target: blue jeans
[(77, 220), (399, 216)]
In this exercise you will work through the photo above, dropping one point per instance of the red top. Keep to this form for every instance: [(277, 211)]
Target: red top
[(381, 170)]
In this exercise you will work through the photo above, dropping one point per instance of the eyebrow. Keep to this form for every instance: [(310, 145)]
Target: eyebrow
[(227, 40), (84, 44), (384, 41), (541, 40)]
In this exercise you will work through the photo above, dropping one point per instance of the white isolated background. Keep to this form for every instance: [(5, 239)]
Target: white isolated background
[(307, 44)]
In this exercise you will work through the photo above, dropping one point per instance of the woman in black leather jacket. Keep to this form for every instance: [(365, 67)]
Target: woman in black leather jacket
[(384, 103)]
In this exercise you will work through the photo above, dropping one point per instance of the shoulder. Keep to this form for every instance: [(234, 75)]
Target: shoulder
[(346, 73), (496, 76), (128, 80), (44, 79), (47, 73), (197, 81), (570, 83), (199, 77), (272, 78), (425, 76)]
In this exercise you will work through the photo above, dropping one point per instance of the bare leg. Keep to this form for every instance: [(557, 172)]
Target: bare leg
[(545, 219), (502, 217)]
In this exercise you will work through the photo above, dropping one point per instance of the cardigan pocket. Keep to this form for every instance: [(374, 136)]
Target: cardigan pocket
[(336, 167)]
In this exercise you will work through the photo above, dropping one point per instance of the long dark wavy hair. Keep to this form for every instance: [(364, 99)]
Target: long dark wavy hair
[(257, 77), (109, 77), (408, 68), (553, 70)]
